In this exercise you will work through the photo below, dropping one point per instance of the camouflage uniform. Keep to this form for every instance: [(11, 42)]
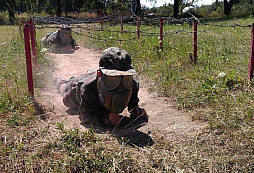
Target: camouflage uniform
[(101, 95), (81, 94), (61, 38)]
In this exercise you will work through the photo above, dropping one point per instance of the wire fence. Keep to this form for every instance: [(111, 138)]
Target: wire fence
[(110, 23), (196, 35), (130, 28)]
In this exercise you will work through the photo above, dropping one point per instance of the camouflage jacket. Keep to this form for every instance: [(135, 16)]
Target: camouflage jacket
[(54, 38), (81, 94)]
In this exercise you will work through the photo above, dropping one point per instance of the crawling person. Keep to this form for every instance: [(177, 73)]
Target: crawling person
[(100, 95), (61, 38)]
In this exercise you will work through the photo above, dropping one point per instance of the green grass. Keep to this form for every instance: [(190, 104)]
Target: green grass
[(225, 102), (30, 144), (220, 50), (13, 79)]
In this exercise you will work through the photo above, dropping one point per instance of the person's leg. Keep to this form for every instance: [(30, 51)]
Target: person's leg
[(60, 85)]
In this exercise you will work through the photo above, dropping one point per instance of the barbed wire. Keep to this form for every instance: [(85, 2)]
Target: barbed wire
[(44, 27), (93, 35), (104, 39), (98, 29), (65, 20), (229, 26), (131, 20), (104, 29), (145, 20), (146, 32)]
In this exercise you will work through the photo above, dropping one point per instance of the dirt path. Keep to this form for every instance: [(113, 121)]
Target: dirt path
[(162, 115)]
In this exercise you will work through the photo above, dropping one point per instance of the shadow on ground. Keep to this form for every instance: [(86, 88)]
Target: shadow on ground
[(127, 132), (63, 50)]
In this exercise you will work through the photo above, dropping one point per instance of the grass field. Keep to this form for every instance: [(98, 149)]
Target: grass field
[(215, 90)]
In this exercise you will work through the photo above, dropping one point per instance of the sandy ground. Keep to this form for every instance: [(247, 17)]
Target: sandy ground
[(162, 115)]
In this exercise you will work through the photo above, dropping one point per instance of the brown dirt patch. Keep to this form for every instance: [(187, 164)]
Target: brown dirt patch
[(162, 114)]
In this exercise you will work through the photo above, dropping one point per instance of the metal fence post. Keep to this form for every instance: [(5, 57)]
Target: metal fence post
[(28, 61), (195, 41), (251, 60), (161, 34), (33, 44)]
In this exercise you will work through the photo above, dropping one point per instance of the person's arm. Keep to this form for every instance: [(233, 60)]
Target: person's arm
[(134, 97), (133, 107), (73, 44)]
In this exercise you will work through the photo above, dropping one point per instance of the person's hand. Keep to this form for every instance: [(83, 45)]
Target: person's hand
[(76, 47), (114, 119), (138, 112)]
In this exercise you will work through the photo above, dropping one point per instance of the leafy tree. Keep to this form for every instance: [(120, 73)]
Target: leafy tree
[(176, 8), (138, 8), (41, 5), (67, 6), (135, 7), (11, 5), (77, 5), (228, 6), (59, 8), (182, 3), (165, 10)]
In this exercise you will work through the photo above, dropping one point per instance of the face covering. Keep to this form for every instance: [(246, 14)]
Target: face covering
[(65, 36), (115, 92)]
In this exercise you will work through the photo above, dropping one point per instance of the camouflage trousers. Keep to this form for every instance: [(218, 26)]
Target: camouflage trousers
[(68, 92)]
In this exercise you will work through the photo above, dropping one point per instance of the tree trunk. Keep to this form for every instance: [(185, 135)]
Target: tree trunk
[(59, 9), (176, 8), (138, 10), (10, 5), (228, 6)]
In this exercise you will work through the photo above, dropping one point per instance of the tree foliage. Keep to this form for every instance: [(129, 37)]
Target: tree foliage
[(228, 6), (60, 7)]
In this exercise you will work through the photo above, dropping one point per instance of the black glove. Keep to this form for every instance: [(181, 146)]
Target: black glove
[(138, 112)]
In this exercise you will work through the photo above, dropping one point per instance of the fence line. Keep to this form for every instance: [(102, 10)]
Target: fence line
[(140, 32), (158, 24), (27, 34)]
